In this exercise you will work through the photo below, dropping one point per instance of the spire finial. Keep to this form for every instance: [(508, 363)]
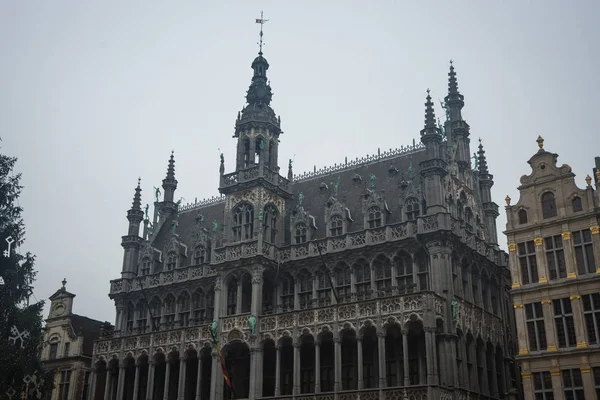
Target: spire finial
[(481, 160), (139, 180), (429, 113), (261, 21), (64, 283), (540, 142), (452, 82), (137, 197)]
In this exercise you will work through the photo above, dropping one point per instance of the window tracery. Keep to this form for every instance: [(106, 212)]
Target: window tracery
[(146, 266), (362, 273), (171, 261), (374, 217), (300, 233), (412, 209), (199, 255), (270, 223), (383, 273), (404, 273), (305, 284), (336, 224), (343, 282), (243, 222), (184, 309), (141, 312), (169, 310)]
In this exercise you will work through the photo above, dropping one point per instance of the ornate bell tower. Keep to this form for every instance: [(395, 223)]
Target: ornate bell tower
[(256, 193)]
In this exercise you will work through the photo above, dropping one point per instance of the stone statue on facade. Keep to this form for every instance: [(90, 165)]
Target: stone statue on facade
[(336, 185), (260, 214), (454, 309), (300, 199), (252, 325), (215, 225), (174, 226), (214, 331), (441, 128), (475, 161), (146, 211), (157, 193), (372, 177)]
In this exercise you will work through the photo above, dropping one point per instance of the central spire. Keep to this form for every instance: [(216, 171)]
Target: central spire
[(261, 21), (259, 92)]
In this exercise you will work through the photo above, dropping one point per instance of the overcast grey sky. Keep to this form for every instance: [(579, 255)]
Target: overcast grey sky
[(94, 94)]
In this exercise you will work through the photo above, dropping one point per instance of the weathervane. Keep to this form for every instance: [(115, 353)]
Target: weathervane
[(261, 21)]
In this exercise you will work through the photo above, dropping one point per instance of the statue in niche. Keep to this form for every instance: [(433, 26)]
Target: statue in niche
[(475, 161), (156, 193), (260, 214), (372, 177), (252, 324), (200, 219), (215, 225), (446, 109), (146, 211), (214, 330), (441, 128), (336, 185), (300, 199), (454, 308), (174, 226)]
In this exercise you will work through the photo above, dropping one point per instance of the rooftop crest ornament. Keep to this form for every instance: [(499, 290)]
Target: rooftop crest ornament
[(10, 241)]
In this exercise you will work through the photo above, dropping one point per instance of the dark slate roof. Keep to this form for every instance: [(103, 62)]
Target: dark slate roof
[(391, 169), (89, 328)]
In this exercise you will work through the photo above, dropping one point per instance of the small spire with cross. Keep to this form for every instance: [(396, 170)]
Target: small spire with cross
[(64, 283), (261, 21)]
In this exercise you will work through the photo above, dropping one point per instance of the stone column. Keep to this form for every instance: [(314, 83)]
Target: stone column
[(596, 245), (167, 376), (257, 281), (121, 381), (337, 383), (578, 318), (360, 365), (493, 384), (198, 378), (548, 326), (521, 333), (238, 299), (405, 357), (381, 362), (213, 374), (92, 389), (259, 372), (513, 262), (569, 255), (182, 377), (296, 387), (429, 346), (589, 390), (136, 381), (317, 367), (557, 383), (540, 258), (255, 387), (150, 382), (277, 370), (108, 385)]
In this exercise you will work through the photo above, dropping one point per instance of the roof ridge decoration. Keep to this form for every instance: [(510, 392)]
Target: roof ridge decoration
[(359, 161)]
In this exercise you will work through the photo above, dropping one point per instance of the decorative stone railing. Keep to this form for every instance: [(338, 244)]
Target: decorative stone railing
[(252, 173), (478, 322), (331, 245)]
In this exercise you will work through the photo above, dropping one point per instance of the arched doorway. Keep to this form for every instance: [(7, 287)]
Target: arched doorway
[(237, 361)]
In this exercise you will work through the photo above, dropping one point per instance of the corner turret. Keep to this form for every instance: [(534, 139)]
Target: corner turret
[(457, 129), (131, 243), (490, 209)]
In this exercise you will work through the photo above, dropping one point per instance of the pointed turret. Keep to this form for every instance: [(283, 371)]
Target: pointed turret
[(490, 209), (433, 167), (457, 129), (132, 241), (169, 184)]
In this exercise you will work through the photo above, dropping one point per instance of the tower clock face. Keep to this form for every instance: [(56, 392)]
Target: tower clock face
[(59, 309)]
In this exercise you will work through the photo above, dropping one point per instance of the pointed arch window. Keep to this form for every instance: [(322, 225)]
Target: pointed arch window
[(522, 216), (374, 217), (171, 261), (577, 204), (287, 293), (469, 219), (343, 282), (156, 308), (548, 205), (422, 271), (300, 233), (141, 312), (130, 316), (243, 222), (270, 223), (412, 209), (336, 224), (305, 285), (146, 266), (362, 272), (199, 255), (199, 304), (246, 153), (323, 289), (232, 290), (404, 273), (383, 273), (184, 309), (169, 310)]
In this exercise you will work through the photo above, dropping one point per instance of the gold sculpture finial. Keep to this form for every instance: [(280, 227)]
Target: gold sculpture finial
[(588, 180), (507, 199), (540, 142)]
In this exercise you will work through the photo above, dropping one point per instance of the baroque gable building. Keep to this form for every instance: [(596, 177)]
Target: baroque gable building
[(380, 277), (554, 250)]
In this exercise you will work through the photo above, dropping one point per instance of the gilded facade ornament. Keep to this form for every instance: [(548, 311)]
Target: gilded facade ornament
[(507, 199), (595, 230), (538, 241), (540, 142), (566, 235), (588, 180), (512, 247), (571, 275), (575, 297), (543, 279)]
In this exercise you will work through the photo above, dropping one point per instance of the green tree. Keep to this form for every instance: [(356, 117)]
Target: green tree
[(21, 331)]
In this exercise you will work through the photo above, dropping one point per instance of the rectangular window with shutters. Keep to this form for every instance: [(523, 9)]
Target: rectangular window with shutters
[(528, 263), (556, 257), (573, 384), (565, 324), (542, 386), (536, 331), (584, 252), (591, 311)]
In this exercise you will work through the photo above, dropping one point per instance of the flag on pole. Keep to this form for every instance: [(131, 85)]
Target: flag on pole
[(224, 368)]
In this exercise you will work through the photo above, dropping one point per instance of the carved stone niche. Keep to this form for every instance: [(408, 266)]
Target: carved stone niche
[(302, 223), (374, 209), (337, 213)]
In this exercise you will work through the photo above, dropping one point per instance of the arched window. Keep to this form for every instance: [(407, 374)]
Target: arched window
[(199, 255), (199, 304), (305, 282), (232, 290), (169, 310), (422, 270), (270, 223), (130, 317), (184, 309), (141, 312), (243, 222), (404, 273), (548, 205), (300, 233), (287, 292), (336, 225), (577, 204), (362, 272), (522, 216), (156, 308), (374, 217), (323, 288), (343, 282), (383, 273), (146, 266), (412, 209), (469, 218), (171, 261), (246, 153)]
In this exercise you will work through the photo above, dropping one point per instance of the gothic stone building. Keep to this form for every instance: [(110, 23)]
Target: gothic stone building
[(70, 338), (554, 247), (380, 278)]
